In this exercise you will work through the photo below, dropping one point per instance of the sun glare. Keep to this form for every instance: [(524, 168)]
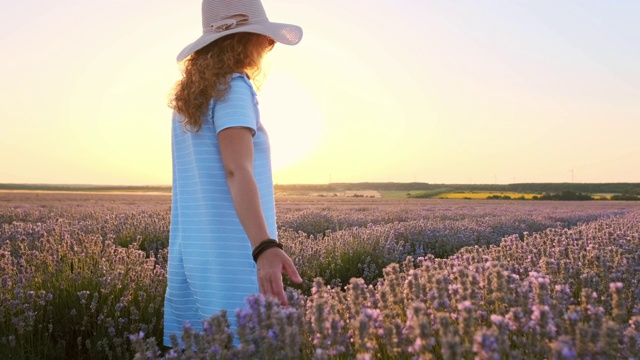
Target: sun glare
[(293, 119)]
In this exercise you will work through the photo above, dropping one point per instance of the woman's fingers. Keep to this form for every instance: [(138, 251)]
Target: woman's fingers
[(270, 283), (273, 264), (291, 271), (266, 284), (278, 289)]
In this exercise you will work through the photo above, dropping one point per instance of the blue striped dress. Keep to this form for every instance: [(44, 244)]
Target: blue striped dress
[(210, 265)]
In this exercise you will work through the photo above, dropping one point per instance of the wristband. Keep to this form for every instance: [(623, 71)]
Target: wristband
[(264, 246)]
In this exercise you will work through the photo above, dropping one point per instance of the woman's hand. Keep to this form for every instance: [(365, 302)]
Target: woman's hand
[(236, 149), (271, 264)]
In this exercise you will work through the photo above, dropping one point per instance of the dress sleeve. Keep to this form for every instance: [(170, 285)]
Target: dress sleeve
[(238, 107)]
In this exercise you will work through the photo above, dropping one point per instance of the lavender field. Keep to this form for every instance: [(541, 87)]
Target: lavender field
[(83, 277)]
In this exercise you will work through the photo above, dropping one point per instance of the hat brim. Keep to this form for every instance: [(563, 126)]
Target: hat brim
[(283, 33)]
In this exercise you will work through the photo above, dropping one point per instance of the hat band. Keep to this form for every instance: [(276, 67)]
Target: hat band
[(228, 23)]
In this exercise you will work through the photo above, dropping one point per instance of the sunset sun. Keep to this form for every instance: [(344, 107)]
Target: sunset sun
[(294, 121)]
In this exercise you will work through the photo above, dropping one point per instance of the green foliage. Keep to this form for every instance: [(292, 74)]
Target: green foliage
[(339, 257), (150, 243), (626, 197), (567, 196), (430, 193), (502, 197)]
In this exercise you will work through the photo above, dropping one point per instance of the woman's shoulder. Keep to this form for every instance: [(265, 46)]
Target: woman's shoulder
[(240, 83), (240, 78)]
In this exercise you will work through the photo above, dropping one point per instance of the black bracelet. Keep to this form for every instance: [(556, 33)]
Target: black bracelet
[(264, 246)]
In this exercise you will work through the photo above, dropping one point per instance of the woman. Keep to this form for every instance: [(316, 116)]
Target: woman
[(222, 244)]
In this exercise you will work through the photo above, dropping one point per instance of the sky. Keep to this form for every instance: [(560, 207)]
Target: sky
[(447, 91)]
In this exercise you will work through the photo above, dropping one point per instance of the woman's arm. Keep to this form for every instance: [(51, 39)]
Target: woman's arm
[(236, 150)]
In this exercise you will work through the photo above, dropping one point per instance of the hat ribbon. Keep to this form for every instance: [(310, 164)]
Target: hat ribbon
[(229, 22)]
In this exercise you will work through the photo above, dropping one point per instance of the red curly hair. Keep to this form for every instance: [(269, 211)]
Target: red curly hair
[(207, 73)]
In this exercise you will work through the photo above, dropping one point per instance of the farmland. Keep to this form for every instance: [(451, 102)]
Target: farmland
[(484, 195), (83, 276)]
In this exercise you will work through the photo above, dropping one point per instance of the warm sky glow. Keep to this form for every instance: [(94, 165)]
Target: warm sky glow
[(415, 90)]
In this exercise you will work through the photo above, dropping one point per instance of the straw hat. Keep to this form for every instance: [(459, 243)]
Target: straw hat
[(225, 17)]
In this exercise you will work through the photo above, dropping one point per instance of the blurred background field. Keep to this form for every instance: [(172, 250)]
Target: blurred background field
[(83, 276)]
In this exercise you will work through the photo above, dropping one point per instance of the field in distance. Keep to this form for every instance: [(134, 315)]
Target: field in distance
[(504, 195), (473, 195), (485, 195), (390, 190)]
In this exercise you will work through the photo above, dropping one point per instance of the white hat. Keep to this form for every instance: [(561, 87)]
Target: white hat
[(224, 17)]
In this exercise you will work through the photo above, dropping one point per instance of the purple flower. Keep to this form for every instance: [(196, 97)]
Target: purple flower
[(615, 286), (243, 316), (568, 353), (497, 319), (485, 346), (465, 305), (215, 350)]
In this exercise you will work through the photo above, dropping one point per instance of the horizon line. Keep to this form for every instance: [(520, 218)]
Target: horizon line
[(316, 184)]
